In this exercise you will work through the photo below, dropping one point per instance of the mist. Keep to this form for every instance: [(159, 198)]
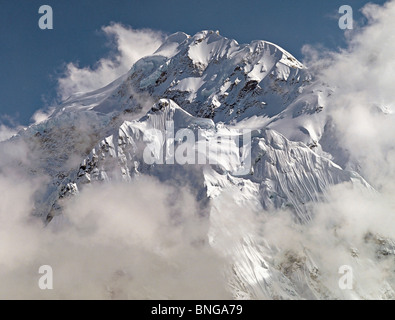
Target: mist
[(115, 241)]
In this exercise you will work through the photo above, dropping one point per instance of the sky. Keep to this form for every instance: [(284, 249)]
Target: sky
[(33, 60)]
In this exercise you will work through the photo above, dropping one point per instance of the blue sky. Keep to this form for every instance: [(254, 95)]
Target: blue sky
[(31, 59)]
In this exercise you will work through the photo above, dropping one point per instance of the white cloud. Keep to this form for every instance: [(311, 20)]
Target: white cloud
[(6, 132), (337, 236), (42, 115), (130, 46), (363, 105), (139, 240), (116, 241)]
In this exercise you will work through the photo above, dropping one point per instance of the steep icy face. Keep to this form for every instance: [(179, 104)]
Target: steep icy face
[(289, 174), (282, 173)]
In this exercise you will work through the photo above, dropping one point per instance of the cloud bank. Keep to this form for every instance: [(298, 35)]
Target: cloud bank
[(363, 105), (128, 45), (6, 132), (114, 241)]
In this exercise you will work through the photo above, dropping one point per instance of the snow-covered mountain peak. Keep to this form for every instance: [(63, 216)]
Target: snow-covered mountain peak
[(171, 44), (207, 75), (191, 93)]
